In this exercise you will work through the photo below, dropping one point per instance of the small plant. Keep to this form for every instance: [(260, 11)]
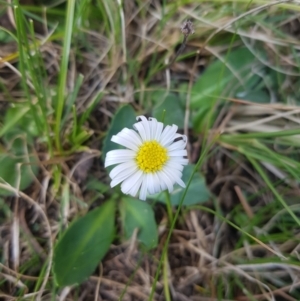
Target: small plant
[(153, 162)]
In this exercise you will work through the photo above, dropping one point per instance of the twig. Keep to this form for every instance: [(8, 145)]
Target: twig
[(187, 29)]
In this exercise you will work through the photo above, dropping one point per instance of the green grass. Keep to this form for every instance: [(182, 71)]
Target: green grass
[(68, 67)]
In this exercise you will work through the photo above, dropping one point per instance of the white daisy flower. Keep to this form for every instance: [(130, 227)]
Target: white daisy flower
[(152, 161)]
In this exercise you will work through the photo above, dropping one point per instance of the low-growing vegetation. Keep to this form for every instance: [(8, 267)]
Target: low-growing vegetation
[(73, 74)]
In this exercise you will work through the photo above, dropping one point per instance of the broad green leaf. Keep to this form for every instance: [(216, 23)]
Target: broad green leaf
[(124, 117), (174, 111), (220, 79), (14, 117), (18, 166), (139, 214), (83, 245), (218, 75), (259, 96), (17, 169), (197, 192)]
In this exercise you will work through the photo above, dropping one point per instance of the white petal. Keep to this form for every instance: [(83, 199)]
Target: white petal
[(175, 165), (130, 135), (175, 175), (144, 188), (165, 133), (158, 132), (177, 145), (179, 160), (139, 127), (114, 161), (172, 173), (116, 153), (165, 180), (156, 180), (183, 137), (118, 156), (132, 184), (162, 184), (143, 127), (180, 183), (146, 125), (177, 153), (153, 126), (121, 167), (124, 142), (151, 187), (168, 135), (123, 176), (135, 188)]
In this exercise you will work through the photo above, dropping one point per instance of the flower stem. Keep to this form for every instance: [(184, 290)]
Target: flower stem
[(169, 207), (166, 278)]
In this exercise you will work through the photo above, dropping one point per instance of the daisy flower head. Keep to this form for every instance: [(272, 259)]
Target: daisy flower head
[(152, 160)]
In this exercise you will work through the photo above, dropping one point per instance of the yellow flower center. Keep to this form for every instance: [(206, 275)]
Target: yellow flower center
[(151, 156)]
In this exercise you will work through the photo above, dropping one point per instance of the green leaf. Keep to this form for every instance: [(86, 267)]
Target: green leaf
[(258, 96), (220, 79), (124, 117), (15, 117), (18, 166), (217, 76), (83, 245), (12, 174), (139, 214), (174, 111), (197, 192)]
